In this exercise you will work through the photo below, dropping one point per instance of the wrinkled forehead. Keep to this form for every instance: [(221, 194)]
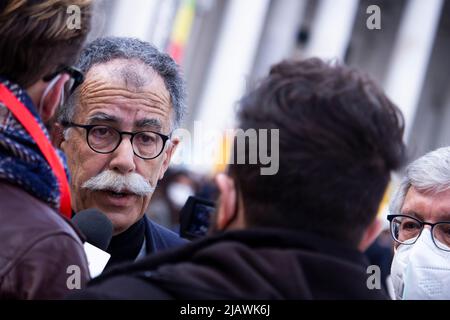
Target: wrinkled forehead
[(132, 73), (125, 87), (427, 206)]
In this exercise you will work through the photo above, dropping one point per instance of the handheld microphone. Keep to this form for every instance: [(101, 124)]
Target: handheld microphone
[(95, 226), (98, 230)]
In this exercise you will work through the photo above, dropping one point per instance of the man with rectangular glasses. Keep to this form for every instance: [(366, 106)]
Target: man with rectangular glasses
[(420, 225)]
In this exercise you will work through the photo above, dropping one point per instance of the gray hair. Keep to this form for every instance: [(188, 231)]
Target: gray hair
[(430, 173), (106, 49)]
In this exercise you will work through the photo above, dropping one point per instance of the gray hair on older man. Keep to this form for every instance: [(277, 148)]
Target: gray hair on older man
[(430, 173)]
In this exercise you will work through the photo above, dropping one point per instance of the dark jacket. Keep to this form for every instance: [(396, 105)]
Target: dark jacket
[(37, 245), (159, 238), (250, 264)]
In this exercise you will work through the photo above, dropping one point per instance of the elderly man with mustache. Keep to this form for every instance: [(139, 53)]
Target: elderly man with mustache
[(117, 138)]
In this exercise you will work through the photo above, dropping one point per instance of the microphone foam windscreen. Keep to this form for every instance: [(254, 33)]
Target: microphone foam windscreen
[(95, 226)]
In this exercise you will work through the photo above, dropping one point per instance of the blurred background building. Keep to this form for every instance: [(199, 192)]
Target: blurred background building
[(224, 46)]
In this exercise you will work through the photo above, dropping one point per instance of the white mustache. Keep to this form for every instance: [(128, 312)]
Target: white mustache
[(113, 181)]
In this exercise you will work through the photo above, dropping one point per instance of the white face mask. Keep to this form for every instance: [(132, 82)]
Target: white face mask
[(421, 270), (178, 193)]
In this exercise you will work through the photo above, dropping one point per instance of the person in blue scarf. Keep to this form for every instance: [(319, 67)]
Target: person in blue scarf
[(41, 253)]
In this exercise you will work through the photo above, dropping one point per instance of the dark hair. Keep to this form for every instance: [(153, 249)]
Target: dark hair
[(36, 39), (340, 138)]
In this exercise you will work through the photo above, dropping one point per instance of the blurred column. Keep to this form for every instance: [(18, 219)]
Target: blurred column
[(279, 36), (133, 18), (225, 83), (162, 23), (200, 49), (332, 29), (369, 50), (430, 129), (411, 56)]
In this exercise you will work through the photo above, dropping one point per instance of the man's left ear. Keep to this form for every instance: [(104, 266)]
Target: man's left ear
[(53, 99), (370, 234), (167, 154)]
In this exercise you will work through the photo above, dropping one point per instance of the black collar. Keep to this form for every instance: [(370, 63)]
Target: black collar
[(125, 247)]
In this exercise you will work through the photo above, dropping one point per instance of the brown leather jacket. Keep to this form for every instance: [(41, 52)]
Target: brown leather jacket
[(37, 246)]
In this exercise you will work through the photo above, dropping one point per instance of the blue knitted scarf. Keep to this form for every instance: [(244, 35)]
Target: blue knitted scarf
[(21, 161)]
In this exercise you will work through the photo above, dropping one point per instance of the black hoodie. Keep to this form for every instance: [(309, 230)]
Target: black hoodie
[(249, 264)]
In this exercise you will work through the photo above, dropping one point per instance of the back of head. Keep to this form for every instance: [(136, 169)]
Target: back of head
[(339, 139), (39, 36)]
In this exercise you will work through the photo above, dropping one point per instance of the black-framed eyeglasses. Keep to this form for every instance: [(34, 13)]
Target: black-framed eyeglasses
[(76, 77), (406, 230), (106, 139)]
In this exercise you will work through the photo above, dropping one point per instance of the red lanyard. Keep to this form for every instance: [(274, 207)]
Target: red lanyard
[(32, 126)]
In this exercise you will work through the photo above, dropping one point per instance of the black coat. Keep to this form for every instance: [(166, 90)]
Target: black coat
[(250, 264)]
